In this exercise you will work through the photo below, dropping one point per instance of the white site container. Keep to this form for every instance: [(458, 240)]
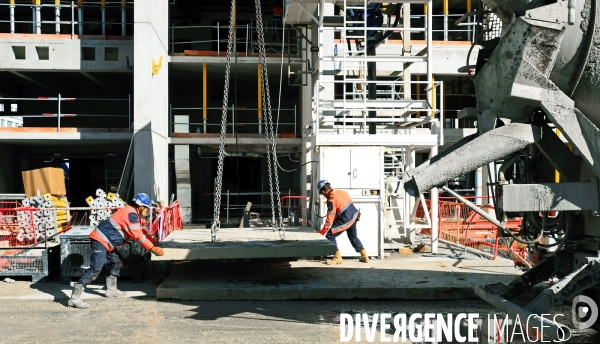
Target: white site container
[(358, 171)]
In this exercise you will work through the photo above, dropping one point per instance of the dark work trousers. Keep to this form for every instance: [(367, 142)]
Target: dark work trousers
[(354, 240), (99, 256)]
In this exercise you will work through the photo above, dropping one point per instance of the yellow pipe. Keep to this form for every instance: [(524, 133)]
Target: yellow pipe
[(79, 2), (204, 93), (468, 5), (123, 3), (36, 2), (12, 2), (260, 114), (445, 7), (425, 9), (57, 2), (419, 91), (234, 12)]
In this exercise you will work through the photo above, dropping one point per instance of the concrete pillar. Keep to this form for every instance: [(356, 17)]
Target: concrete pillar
[(478, 185), (150, 101), (485, 191), (184, 186), (182, 169)]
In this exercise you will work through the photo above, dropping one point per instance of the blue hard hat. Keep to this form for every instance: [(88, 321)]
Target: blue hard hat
[(321, 184), (142, 200)]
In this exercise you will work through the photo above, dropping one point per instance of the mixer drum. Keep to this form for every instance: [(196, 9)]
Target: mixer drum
[(576, 70)]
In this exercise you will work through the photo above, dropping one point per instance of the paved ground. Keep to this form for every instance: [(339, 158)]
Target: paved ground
[(37, 312), (146, 320)]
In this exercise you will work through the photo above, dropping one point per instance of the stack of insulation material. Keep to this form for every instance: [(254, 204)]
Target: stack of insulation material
[(44, 222), (103, 206)]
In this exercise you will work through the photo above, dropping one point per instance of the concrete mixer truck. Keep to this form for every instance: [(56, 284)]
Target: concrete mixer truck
[(541, 74)]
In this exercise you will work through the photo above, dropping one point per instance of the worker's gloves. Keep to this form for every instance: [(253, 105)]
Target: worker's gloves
[(323, 231), (157, 251)]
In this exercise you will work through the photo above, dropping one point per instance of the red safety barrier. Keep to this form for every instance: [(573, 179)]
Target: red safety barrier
[(17, 227), (167, 221), (461, 225), (10, 204)]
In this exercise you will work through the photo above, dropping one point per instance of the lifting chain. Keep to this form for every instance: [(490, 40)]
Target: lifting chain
[(270, 133), (216, 225)]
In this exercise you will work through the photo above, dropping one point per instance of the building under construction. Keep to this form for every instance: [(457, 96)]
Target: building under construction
[(126, 96), (239, 108)]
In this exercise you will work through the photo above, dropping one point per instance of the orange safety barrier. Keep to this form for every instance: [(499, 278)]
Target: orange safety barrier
[(10, 204), (17, 227), (461, 225), (167, 221)]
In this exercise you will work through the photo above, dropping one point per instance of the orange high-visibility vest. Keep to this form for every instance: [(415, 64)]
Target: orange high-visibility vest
[(341, 212), (124, 222)]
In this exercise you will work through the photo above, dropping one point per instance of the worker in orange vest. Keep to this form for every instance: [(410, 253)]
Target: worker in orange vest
[(342, 216), (122, 226)]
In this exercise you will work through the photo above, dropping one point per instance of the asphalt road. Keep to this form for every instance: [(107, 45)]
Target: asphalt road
[(147, 320)]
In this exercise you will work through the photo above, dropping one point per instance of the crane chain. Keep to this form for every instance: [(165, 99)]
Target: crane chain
[(216, 225), (270, 133)]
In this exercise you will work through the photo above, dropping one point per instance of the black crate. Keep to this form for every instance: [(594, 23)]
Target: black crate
[(76, 252), (38, 263)]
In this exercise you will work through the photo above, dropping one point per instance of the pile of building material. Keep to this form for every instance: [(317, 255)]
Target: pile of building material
[(103, 206), (46, 220)]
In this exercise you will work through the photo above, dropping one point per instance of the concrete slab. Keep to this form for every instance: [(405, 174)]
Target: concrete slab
[(242, 243), (400, 277)]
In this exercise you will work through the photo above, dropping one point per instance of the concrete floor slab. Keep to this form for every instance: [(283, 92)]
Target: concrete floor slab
[(242, 243), (413, 277)]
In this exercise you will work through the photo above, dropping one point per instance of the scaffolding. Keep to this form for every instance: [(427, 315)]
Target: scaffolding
[(365, 96), (353, 98)]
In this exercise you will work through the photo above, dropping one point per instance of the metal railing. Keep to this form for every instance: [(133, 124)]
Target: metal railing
[(76, 19), (243, 38), (203, 127), (447, 22), (241, 204), (60, 114), (444, 28), (349, 116)]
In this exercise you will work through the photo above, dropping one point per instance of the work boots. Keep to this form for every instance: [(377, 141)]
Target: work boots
[(337, 259), (75, 300), (363, 256), (111, 287)]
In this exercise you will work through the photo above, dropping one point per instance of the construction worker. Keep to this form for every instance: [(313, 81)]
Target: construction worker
[(342, 216), (122, 226)]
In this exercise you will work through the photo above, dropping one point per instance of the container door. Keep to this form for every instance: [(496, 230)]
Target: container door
[(365, 165), (336, 167)]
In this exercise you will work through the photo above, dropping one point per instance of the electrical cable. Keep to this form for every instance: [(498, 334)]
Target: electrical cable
[(296, 169), (526, 242), (289, 157), (321, 217)]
